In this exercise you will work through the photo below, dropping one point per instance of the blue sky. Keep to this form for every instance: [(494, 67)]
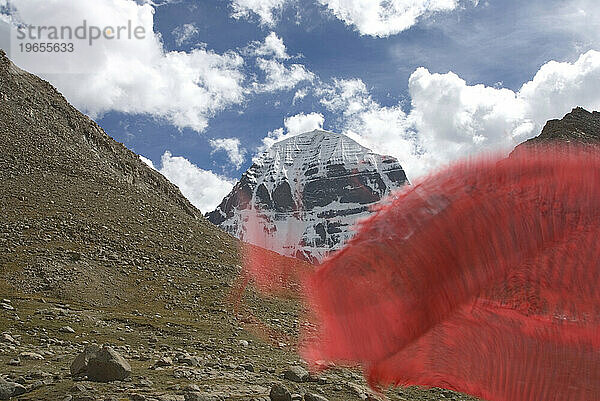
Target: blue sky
[(425, 81)]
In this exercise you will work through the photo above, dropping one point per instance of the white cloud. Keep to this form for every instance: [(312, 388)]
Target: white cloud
[(451, 119), (385, 130), (232, 147), (299, 95), (272, 46), (148, 162), (279, 77), (133, 76), (266, 10), (301, 123), (204, 189), (379, 18), (558, 87), (185, 33), (454, 119), (385, 17)]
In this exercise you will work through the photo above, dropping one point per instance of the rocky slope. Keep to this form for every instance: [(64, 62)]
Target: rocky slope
[(98, 249), (308, 191), (577, 127)]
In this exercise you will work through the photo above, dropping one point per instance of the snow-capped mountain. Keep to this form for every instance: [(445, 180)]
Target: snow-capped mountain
[(306, 192)]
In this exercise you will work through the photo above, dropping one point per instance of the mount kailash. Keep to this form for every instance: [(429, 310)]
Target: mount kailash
[(306, 193)]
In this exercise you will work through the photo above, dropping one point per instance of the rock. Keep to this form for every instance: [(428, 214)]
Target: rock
[(164, 361), (314, 397), (296, 374), (77, 388), (14, 362), (67, 329), (362, 392), (137, 397), (243, 343), (192, 388), (7, 338), (35, 385), (145, 383), (80, 364), (296, 397), (32, 356), (189, 360), (6, 306), (10, 389), (279, 393), (107, 365), (248, 366)]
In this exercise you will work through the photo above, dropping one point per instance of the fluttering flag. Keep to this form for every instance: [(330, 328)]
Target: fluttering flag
[(482, 278)]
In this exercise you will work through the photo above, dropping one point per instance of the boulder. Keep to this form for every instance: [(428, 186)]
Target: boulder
[(80, 364), (107, 365), (10, 389), (101, 365), (279, 393), (296, 374)]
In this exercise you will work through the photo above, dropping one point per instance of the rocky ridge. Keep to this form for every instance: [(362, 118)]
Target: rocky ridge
[(579, 127)]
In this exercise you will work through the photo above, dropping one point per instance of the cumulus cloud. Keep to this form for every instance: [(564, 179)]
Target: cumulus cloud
[(558, 87), (385, 17), (450, 119), (148, 162), (231, 146), (301, 123), (266, 10), (280, 77), (454, 119), (185, 33), (272, 46), (379, 18), (132, 75), (204, 189), (299, 95), (385, 130)]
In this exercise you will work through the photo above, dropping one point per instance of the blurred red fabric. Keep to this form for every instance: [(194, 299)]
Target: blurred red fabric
[(481, 278)]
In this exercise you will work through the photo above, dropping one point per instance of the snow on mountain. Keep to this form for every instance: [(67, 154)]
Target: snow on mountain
[(307, 192)]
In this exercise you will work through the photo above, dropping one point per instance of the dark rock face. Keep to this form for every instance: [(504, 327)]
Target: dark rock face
[(579, 127), (308, 191)]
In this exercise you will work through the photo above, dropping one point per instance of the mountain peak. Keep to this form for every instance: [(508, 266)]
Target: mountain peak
[(309, 190), (578, 126)]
